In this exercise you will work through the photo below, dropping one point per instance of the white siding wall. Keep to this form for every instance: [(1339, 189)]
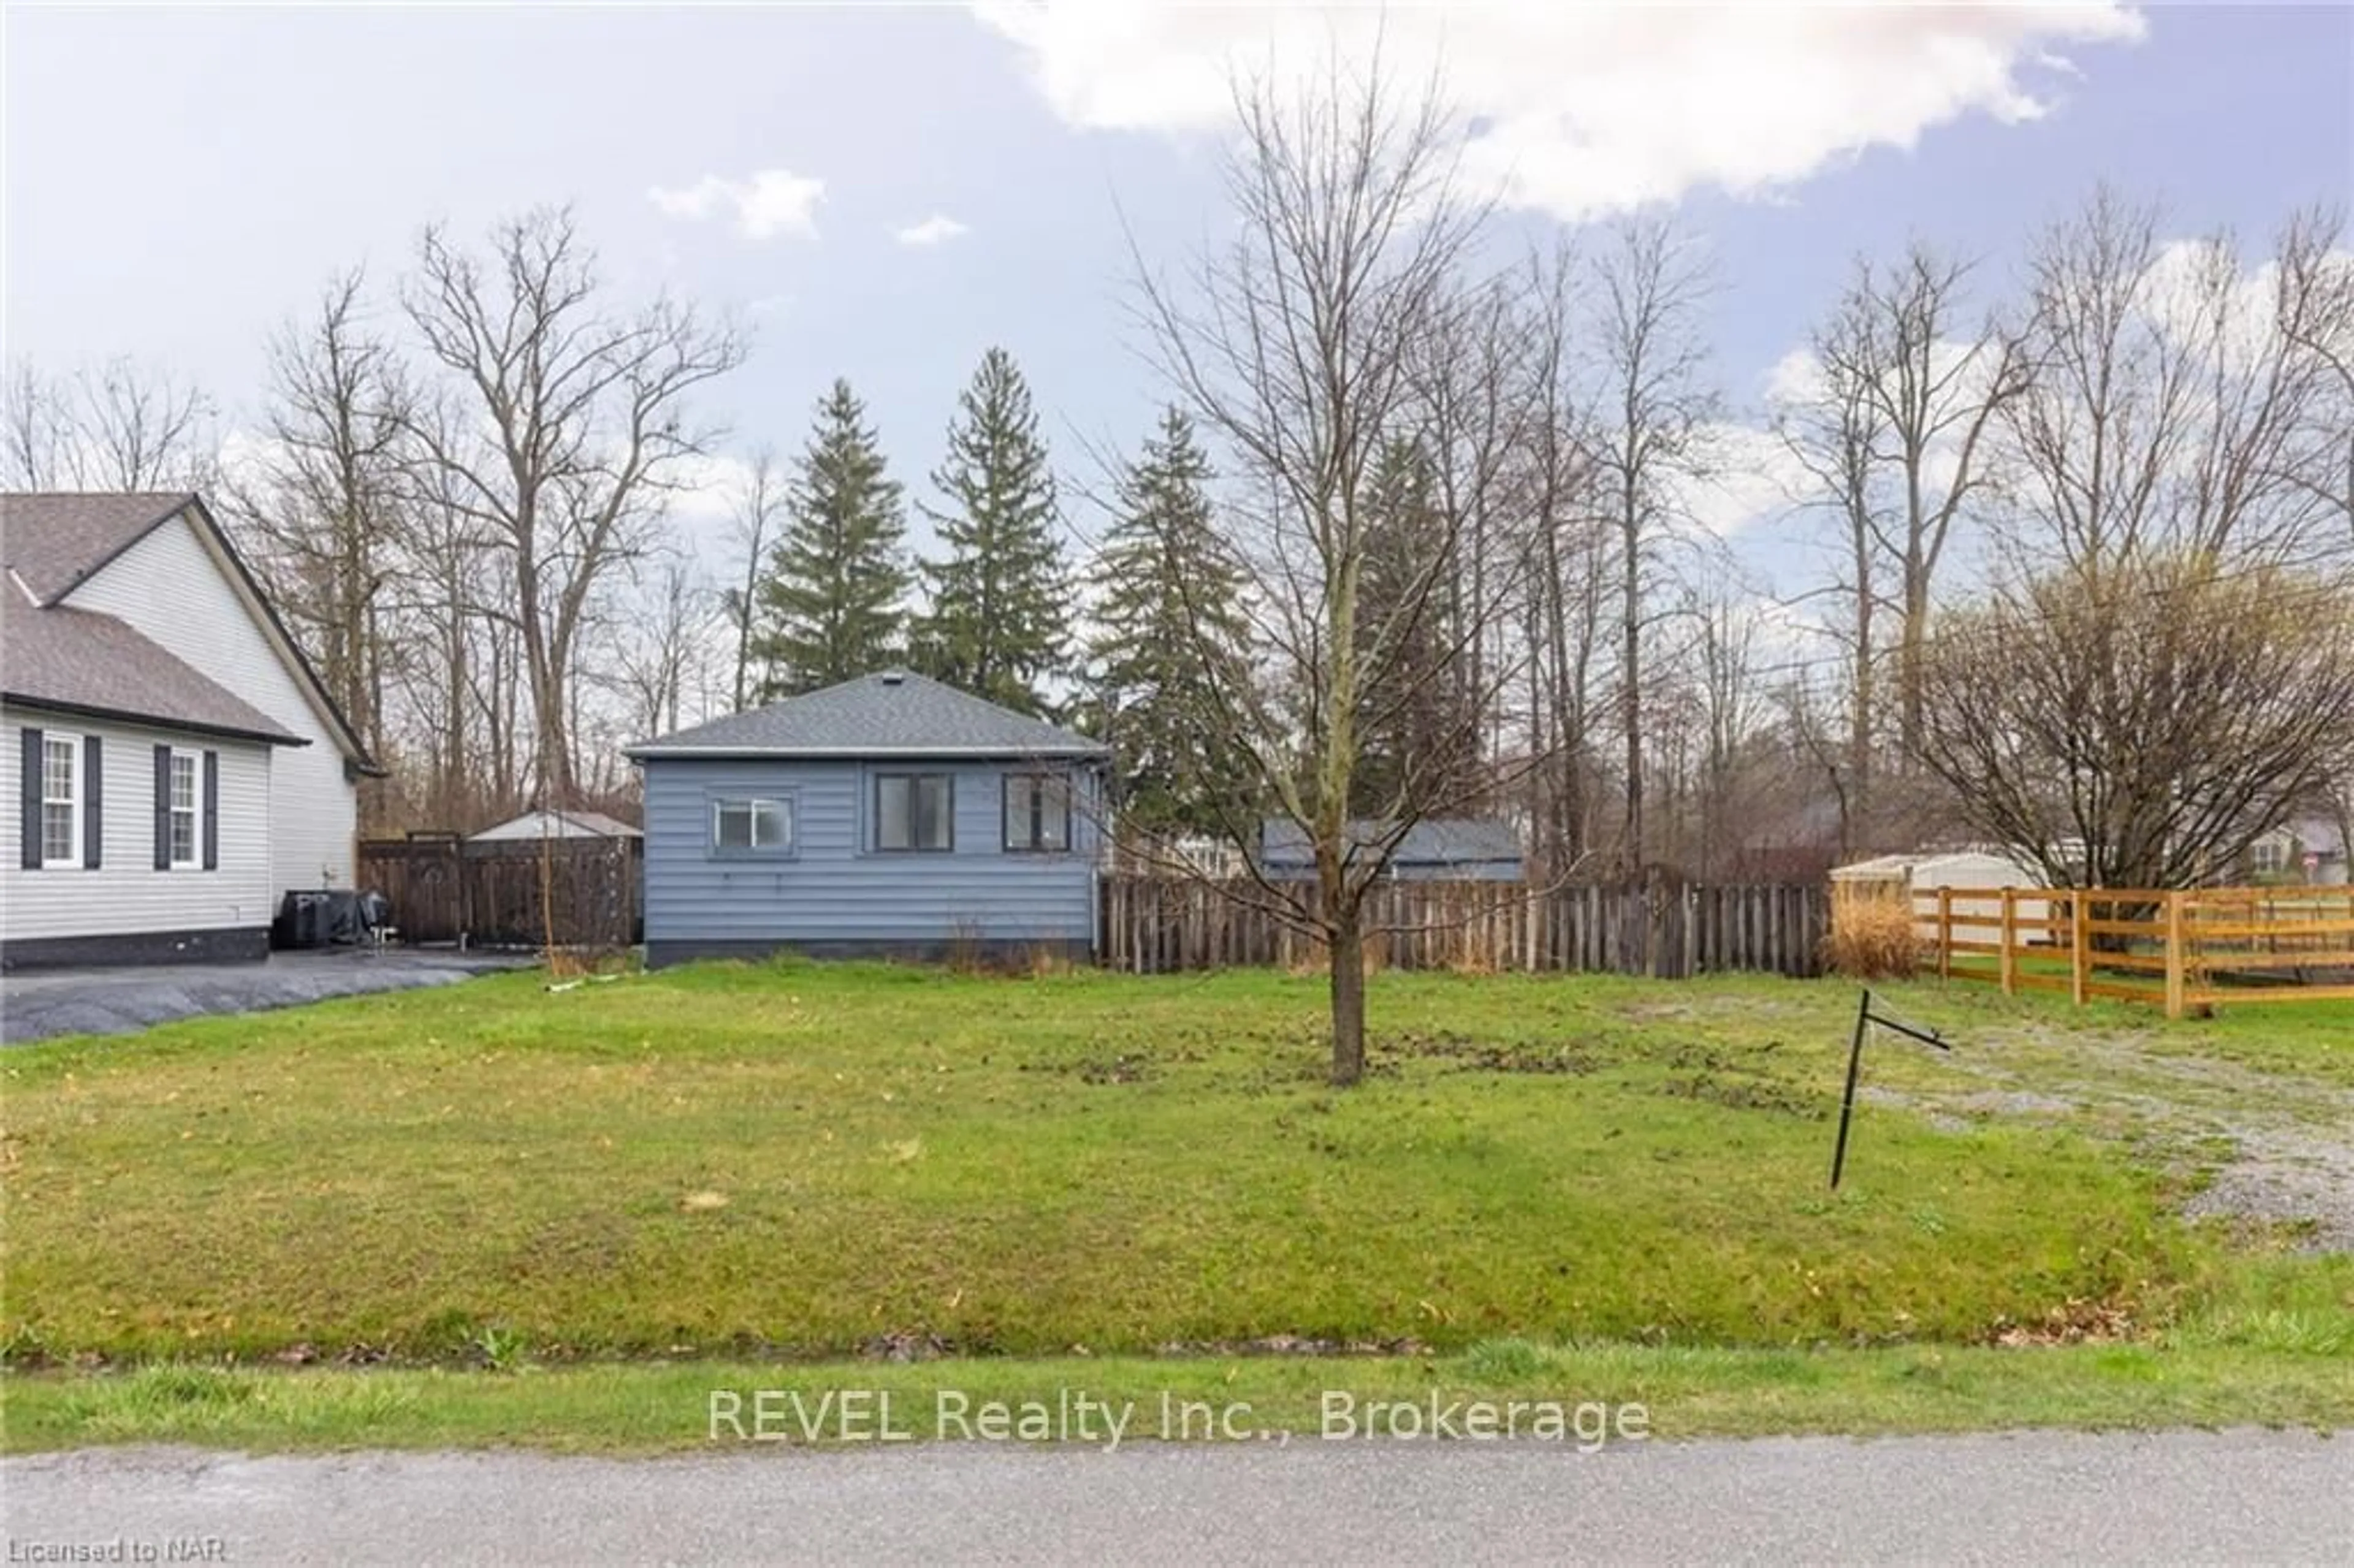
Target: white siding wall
[(169, 587), (126, 893)]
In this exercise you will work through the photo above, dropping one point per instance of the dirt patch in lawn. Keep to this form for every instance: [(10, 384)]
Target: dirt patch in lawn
[(1487, 1055)]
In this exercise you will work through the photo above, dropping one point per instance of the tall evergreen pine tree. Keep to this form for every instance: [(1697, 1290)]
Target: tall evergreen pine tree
[(1172, 637), (1000, 602), (833, 598), (1420, 714)]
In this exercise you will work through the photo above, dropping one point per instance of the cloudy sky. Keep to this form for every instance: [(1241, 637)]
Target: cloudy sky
[(885, 192)]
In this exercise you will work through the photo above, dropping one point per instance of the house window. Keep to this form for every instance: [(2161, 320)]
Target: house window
[(915, 811), (752, 826), (184, 810), (60, 800), (2270, 855), (1037, 812)]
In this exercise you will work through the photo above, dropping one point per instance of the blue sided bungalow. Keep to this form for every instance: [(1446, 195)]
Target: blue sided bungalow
[(889, 816)]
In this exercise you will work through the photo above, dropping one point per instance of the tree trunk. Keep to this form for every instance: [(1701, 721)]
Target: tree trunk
[(1632, 854), (1910, 655), (1861, 719), (1348, 955)]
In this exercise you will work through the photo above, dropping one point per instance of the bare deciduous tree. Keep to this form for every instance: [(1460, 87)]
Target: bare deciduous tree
[(1566, 542), (324, 508), (2312, 306), (1833, 429), (2139, 726), (1935, 386), (117, 427), (659, 642), (563, 423), (1653, 403), (757, 512), (1297, 348), (2170, 405)]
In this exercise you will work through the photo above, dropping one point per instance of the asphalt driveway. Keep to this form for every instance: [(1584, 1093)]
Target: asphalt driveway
[(114, 1001)]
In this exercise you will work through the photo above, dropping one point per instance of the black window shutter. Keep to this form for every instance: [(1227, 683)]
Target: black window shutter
[(28, 789), (212, 810), (93, 796), (162, 808)]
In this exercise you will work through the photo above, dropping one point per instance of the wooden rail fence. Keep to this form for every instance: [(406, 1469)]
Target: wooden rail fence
[(2179, 950), (1154, 926), (489, 894)]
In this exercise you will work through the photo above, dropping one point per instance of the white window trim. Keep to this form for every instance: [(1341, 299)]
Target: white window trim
[(782, 805), (80, 748), (196, 808)]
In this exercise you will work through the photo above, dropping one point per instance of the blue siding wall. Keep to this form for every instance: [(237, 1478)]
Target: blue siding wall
[(834, 887)]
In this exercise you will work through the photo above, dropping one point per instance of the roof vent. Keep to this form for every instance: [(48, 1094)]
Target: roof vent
[(893, 677)]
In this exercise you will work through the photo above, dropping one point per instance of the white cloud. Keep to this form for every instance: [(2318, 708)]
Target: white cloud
[(246, 459), (1586, 110), (1796, 377), (766, 202), (936, 230), (707, 488), (2201, 293), (1751, 475)]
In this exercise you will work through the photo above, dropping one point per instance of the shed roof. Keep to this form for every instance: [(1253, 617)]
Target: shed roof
[(1891, 865), (558, 825), (891, 714)]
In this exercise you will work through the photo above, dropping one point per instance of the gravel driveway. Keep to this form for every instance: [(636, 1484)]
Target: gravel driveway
[(113, 1002), (2269, 1148)]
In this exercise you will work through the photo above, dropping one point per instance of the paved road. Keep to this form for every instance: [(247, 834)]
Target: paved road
[(2237, 1497), (113, 1002)]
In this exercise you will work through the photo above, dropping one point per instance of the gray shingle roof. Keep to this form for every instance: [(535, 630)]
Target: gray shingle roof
[(52, 540), (1438, 840), (887, 715), (86, 662)]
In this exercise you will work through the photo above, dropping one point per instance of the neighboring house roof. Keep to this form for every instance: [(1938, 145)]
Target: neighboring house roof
[(79, 661), (1437, 841), (892, 713), (558, 825), (56, 540), (52, 542)]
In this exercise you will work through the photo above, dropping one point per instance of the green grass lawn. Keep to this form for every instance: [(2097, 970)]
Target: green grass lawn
[(806, 1163), (640, 1407)]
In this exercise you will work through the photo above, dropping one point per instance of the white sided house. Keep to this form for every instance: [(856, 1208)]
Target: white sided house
[(174, 764)]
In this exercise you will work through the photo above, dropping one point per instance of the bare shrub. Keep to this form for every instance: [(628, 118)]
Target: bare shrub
[(1873, 938)]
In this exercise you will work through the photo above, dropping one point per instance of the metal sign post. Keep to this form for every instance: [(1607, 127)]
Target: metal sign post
[(1864, 1019)]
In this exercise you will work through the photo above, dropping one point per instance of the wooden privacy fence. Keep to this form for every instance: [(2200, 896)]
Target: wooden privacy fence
[(1154, 926), (489, 894), (2179, 950)]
